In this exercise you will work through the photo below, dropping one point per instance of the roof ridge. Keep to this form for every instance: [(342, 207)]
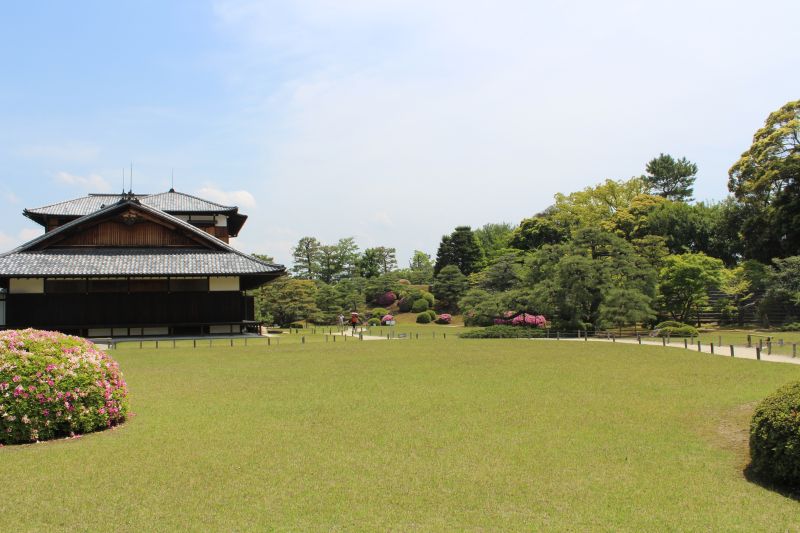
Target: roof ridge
[(59, 203), (226, 207)]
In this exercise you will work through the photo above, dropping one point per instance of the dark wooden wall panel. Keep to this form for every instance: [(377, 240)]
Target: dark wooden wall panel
[(112, 233), (113, 309)]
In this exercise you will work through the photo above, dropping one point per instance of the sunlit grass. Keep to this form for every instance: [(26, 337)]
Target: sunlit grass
[(411, 435)]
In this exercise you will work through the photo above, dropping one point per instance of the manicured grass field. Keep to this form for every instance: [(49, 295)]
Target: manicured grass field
[(412, 435)]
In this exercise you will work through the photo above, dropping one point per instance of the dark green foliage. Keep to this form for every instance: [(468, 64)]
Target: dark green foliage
[(420, 305), (794, 326), (449, 287), (775, 437), (462, 249), (296, 325), (306, 257), (671, 178), (684, 283), (405, 304), (423, 318), (532, 233), (378, 312), (432, 314), (374, 321), (504, 332), (504, 273), (494, 238), (287, 300), (766, 181), (673, 328)]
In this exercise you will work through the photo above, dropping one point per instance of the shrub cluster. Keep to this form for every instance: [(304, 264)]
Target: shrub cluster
[(374, 322), (54, 385), (794, 326), (775, 437), (424, 318), (386, 299), (503, 331), (387, 318), (407, 303), (444, 318), (523, 319), (378, 312), (672, 328), (420, 305)]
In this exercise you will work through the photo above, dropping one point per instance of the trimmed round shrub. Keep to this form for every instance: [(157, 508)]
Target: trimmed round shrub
[(404, 305), (432, 314), (379, 312), (386, 299), (775, 437), (672, 328), (444, 318), (54, 385), (374, 322), (420, 305), (423, 318), (429, 297)]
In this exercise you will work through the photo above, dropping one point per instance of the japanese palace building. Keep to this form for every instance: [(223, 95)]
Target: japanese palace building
[(131, 265)]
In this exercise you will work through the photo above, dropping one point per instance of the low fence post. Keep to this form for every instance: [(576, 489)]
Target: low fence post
[(758, 353), (712, 348), (194, 343), (720, 341), (668, 338), (613, 338), (769, 347), (586, 335), (445, 335), (303, 339), (686, 343), (699, 349), (156, 344), (558, 335), (361, 336), (794, 349), (749, 341), (663, 341), (269, 341), (731, 350), (231, 342)]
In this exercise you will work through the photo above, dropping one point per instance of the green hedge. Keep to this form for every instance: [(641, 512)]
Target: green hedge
[(775, 437), (504, 332), (423, 318), (420, 305)]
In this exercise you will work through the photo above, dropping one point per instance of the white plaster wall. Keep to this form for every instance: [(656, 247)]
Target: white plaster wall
[(223, 283), (26, 286)]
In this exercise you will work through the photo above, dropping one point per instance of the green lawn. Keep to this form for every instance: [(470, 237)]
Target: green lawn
[(411, 435)]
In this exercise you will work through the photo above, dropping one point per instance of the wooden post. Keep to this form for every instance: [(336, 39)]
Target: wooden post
[(156, 344), (698, 347), (245, 341), (712, 348), (638, 338), (558, 335), (731, 350), (194, 343), (794, 349), (269, 341), (758, 353), (749, 342), (387, 336), (303, 339), (417, 336), (334, 338), (686, 343), (173, 343), (445, 335), (769, 347), (231, 342), (668, 337), (361, 336), (613, 338), (586, 335), (663, 341), (720, 340), (140, 345)]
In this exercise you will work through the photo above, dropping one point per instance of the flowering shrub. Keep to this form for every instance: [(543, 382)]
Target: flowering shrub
[(386, 299), (523, 319), (387, 318), (54, 385), (444, 318)]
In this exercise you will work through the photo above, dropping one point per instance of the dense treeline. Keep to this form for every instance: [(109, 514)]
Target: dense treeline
[(618, 253)]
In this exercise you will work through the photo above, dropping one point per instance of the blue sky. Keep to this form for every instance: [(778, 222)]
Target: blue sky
[(390, 121)]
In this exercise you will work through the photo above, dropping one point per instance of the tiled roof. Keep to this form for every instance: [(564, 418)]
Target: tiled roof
[(171, 202), (132, 262)]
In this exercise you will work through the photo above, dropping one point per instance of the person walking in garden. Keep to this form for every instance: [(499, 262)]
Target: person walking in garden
[(354, 320)]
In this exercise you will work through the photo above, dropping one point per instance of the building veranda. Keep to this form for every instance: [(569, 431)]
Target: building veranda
[(131, 265)]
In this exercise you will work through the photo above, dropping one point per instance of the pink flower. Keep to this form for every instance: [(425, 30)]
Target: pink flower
[(16, 379)]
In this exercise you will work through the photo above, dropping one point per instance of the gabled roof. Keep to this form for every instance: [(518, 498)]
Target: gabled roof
[(170, 202), (34, 258)]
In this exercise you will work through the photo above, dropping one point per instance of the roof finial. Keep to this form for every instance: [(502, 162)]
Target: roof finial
[(130, 189), (172, 181), (123, 180)]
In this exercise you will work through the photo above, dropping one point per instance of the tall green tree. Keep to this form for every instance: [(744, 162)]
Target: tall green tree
[(532, 233), (420, 268), (462, 249), (671, 178), (449, 287), (684, 284), (377, 261), (766, 179), (306, 257), (494, 238), (287, 300)]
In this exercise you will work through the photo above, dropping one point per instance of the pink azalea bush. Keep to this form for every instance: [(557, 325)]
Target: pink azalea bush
[(387, 318), (54, 385), (444, 318), (386, 299), (524, 319)]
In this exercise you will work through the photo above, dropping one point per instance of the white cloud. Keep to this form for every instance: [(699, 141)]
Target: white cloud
[(230, 198), (92, 182)]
